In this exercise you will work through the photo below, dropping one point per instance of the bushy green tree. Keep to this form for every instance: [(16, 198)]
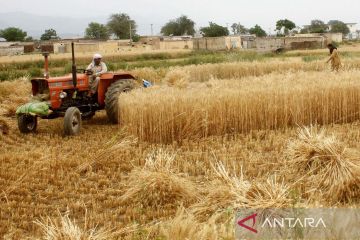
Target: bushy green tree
[(237, 28), (49, 34), (178, 27), (258, 31), (316, 26), (97, 31), (29, 39), (337, 26), (13, 34), (214, 30), (284, 26), (120, 24)]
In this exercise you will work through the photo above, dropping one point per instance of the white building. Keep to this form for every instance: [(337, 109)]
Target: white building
[(354, 32)]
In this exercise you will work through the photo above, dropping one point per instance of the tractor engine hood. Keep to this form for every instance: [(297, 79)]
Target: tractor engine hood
[(34, 109)]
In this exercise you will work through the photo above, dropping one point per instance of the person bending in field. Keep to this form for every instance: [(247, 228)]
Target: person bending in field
[(334, 58), (96, 67)]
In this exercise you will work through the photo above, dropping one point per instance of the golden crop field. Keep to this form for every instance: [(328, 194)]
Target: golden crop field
[(206, 140)]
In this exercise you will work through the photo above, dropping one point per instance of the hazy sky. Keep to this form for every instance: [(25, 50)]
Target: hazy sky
[(145, 12)]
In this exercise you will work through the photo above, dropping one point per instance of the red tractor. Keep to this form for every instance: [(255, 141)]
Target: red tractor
[(67, 97)]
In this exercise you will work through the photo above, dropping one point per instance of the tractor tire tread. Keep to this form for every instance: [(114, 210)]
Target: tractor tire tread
[(112, 97)]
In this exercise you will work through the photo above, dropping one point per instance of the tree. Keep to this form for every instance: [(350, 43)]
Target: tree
[(337, 26), (284, 26), (97, 31), (237, 28), (178, 27), (29, 39), (316, 26), (120, 25), (13, 34), (258, 31), (214, 30), (49, 34)]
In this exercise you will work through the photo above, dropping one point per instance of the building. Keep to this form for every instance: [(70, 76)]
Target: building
[(217, 43), (278, 44), (330, 37), (354, 32)]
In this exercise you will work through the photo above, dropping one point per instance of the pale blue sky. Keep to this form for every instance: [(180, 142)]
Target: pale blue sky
[(145, 12)]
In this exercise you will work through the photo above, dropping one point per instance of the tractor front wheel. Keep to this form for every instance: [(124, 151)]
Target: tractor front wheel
[(27, 123), (72, 121), (112, 97)]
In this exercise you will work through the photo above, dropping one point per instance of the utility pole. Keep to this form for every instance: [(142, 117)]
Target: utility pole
[(152, 32), (130, 34)]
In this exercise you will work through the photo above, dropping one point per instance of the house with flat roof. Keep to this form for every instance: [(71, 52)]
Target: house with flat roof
[(354, 31)]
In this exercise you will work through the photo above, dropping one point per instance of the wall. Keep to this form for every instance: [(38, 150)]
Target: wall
[(290, 43), (60, 47), (331, 37), (10, 51), (233, 42), (8, 44), (216, 43), (294, 43), (334, 37), (83, 47), (269, 44), (108, 47), (173, 44)]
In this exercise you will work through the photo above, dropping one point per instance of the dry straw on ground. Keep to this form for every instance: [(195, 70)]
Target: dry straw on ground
[(157, 187), (4, 127), (324, 166), (64, 228), (177, 77), (185, 226), (124, 187), (275, 101), (231, 192)]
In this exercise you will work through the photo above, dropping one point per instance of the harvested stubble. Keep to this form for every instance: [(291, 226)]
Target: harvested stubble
[(37, 180), (230, 192), (4, 127), (63, 228), (270, 194), (324, 167), (165, 114), (157, 188), (185, 226)]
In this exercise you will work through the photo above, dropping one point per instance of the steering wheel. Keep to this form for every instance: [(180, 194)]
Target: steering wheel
[(86, 71)]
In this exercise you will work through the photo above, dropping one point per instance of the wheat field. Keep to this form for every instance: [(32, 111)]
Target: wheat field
[(205, 141), (166, 114)]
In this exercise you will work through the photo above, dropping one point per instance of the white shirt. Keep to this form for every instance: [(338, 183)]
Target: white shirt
[(97, 69)]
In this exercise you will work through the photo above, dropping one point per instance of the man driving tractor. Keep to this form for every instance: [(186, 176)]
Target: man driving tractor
[(96, 67)]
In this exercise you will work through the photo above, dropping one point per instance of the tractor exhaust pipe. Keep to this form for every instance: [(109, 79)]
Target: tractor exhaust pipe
[(46, 65), (73, 67)]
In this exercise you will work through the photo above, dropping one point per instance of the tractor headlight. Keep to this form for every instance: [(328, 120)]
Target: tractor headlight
[(63, 95)]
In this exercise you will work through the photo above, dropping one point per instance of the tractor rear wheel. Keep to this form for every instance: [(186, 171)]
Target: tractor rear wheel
[(72, 121), (27, 123), (112, 97)]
